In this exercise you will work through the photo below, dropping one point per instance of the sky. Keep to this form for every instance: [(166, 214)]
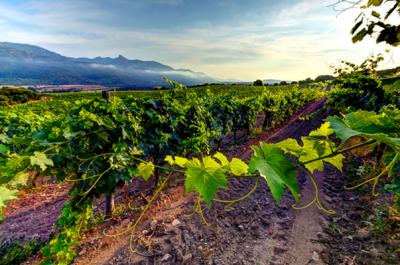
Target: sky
[(228, 39)]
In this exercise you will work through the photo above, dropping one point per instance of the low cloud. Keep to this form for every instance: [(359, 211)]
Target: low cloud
[(300, 39), (103, 66)]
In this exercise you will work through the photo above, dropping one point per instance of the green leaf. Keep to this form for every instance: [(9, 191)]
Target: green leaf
[(359, 36), (238, 167), (366, 124), (21, 178), (374, 2), (4, 149), (356, 26), (276, 169), (205, 177), (222, 159), (336, 161), (6, 195), (324, 131), (290, 146), (145, 170), (179, 161), (170, 160), (40, 159), (316, 148), (312, 149), (375, 14), (133, 172)]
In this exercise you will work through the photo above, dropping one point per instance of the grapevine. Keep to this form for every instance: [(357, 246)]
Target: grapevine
[(98, 146)]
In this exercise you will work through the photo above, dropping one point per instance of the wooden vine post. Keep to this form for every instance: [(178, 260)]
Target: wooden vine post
[(110, 198)]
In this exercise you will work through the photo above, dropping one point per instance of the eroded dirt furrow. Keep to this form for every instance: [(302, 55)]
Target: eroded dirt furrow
[(254, 231)]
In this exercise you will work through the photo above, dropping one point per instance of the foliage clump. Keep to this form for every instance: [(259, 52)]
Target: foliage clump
[(16, 95), (357, 86)]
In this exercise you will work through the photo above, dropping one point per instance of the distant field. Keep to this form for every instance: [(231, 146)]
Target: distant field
[(58, 102), (214, 89)]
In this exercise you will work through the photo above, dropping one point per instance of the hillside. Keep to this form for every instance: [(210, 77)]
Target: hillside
[(24, 64)]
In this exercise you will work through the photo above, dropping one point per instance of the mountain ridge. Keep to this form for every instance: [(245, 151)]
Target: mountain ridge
[(26, 64)]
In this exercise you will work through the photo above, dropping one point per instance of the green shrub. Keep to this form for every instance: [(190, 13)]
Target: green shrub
[(16, 95), (16, 253)]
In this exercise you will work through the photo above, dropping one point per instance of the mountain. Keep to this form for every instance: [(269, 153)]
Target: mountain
[(23, 64), (273, 81)]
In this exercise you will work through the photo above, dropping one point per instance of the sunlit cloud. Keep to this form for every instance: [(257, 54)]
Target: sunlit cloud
[(226, 39)]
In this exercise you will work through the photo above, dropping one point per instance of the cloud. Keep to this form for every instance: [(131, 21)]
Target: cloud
[(263, 39), (103, 66)]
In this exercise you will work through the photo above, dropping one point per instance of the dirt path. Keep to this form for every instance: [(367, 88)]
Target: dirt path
[(254, 231)]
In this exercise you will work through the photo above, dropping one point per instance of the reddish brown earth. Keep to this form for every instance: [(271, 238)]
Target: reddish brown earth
[(254, 231)]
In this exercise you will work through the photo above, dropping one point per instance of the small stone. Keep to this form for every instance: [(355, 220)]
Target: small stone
[(187, 258), (166, 257), (153, 223), (125, 222), (315, 256), (82, 252), (374, 252), (241, 227), (176, 222), (363, 232)]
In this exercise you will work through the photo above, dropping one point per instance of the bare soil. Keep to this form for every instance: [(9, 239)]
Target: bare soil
[(254, 231)]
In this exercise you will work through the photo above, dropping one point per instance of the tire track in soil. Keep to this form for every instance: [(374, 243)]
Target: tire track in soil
[(255, 231)]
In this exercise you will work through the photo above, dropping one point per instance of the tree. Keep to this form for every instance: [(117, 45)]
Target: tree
[(323, 78), (258, 82), (307, 81), (360, 86), (372, 23)]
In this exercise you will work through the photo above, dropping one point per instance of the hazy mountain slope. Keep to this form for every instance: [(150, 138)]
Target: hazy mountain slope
[(23, 64)]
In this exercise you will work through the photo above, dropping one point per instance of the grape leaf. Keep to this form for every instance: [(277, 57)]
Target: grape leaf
[(40, 159), (370, 122), (369, 125), (238, 167), (359, 36), (356, 26), (374, 3), (5, 196), (375, 14), (222, 159), (145, 170), (290, 146), (4, 149), (276, 169), (336, 161), (325, 130), (205, 177), (180, 161), (21, 178), (314, 148)]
